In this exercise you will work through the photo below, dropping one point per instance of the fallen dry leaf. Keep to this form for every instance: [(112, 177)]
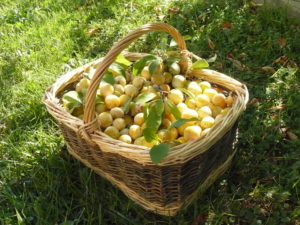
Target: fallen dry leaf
[(279, 107), (212, 58), (268, 69), (285, 61), (239, 65), (199, 220), (291, 136), (92, 31), (211, 44), (226, 25), (173, 9), (282, 42)]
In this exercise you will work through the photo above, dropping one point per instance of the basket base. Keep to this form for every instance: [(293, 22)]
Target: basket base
[(167, 210)]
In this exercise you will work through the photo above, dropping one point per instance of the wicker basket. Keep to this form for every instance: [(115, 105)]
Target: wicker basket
[(187, 170)]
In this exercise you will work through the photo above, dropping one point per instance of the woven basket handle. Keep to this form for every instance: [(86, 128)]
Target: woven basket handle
[(117, 48)]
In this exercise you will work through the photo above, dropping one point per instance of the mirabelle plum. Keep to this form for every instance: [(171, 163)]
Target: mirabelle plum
[(216, 110), (192, 132), (139, 141), (194, 88), (158, 79), (139, 119), (145, 73), (131, 90), (176, 96), (229, 101), (118, 89), (174, 68), (123, 99), (225, 111), (128, 120), (204, 85), (207, 122), (125, 138), (117, 112), (178, 81), (189, 113), (168, 77), (150, 144), (185, 125), (112, 101), (219, 100), (106, 89), (143, 126), (171, 134), (165, 87), (191, 103), (166, 123), (181, 106), (210, 92), (105, 119), (162, 134), (135, 131), (205, 131), (138, 82), (112, 132), (204, 111), (120, 80), (202, 100), (100, 107), (83, 83), (124, 131), (181, 140), (119, 123)]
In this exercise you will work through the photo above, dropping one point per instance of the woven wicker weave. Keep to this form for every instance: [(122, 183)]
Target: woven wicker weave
[(187, 170)]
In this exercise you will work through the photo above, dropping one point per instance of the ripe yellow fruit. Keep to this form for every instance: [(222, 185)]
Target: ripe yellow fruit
[(168, 77), (135, 131), (170, 117), (131, 90), (229, 101), (174, 68), (175, 96), (158, 79), (112, 132), (123, 99), (207, 122), (189, 113), (194, 88), (219, 100), (118, 89), (171, 134), (134, 109), (181, 140), (191, 103), (205, 131), (192, 133), (181, 106), (145, 73), (112, 101), (138, 82), (139, 119), (106, 89), (83, 83), (143, 126), (202, 100), (128, 76), (139, 141), (219, 118), (105, 119), (117, 112), (100, 107), (225, 111), (128, 120), (120, 80), (162, 134), (124, 131), (119, 123), (125, 138), (165, 87), (185, 125), (204, 85), (216, 110), (150, 144), (178, 81), (166, 123), (204, 111), (210, 92)]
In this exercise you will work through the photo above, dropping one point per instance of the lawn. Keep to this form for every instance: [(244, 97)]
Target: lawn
[(40, 183)]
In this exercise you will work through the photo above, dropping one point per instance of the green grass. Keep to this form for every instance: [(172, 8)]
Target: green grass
[(39, 40)]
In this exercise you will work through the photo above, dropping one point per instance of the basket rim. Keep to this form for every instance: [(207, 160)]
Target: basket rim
[(178, 154)]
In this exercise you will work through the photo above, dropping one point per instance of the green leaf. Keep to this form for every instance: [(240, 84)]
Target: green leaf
[(71, 100), (187, 92), (126, 105), (149, 134), (158, 152), (199, 64), (116, 69), (171, 60), (146, 111), (180, 122), (109, 78), (99, 99), (122, 60), (140, 64), (144, 97), (153, 66), (174, 110)]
